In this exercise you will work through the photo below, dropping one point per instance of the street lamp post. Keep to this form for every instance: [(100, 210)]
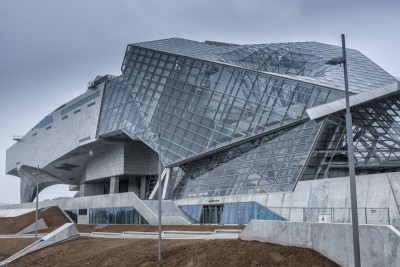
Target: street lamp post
[(159, 197), (350, 152), (37, 203)]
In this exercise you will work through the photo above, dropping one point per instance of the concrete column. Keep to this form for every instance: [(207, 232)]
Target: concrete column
[(142, 188), (92, 189), (83, 189), (133, 187), (114, 184)]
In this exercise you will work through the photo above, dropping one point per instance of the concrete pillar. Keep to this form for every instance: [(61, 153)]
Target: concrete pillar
[(92, 189), (142, 188), (114, 184), (133, 186)]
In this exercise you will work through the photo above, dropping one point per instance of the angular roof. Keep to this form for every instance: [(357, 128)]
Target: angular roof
[(303, 61)]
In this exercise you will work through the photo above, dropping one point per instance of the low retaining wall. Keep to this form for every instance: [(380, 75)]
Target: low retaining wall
[(63, 233), (379, 245), (41, 225)]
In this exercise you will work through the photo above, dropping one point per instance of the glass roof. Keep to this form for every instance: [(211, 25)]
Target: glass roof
[(303, 61)]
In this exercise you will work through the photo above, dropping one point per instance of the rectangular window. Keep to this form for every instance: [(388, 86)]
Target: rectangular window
[(77, 111), (48, 128), (84, 139), (34, 134), (80, 103), (91, 104), (82, 211), (63, 118)]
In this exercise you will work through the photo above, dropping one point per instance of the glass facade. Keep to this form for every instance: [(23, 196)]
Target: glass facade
[(229, 213), (197, 106), (268, 164), (376, 141), (73, 214), (304, 61), (125, 215), (231, 119)]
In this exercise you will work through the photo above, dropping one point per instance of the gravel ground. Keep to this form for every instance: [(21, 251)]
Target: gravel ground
[(85, 251)]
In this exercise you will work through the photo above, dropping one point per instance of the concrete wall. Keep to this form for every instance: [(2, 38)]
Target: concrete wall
[(379, 245), (63, 233), (373, 191), (41, 225), (109, 201), (83, 219), (4, 213), (106, 164)]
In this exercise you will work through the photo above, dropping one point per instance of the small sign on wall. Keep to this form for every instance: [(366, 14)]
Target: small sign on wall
[(324, 218)]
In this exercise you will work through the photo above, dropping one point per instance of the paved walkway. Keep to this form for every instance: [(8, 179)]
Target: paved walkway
[(217, 234), (22, 236)]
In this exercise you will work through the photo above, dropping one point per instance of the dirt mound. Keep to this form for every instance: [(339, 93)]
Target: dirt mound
[(53, 217), (88, 228), (10, 246), (133, 252)]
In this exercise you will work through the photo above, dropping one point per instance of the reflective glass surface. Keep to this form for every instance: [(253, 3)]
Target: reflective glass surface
[(197, 106), (268, 164), (229, 213), (125, 215), (300, 60), (193, 98), (376, 141), (73, 214)]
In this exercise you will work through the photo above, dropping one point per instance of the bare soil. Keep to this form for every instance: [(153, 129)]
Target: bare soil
[(53, 217), (85, 251), (10, 246)]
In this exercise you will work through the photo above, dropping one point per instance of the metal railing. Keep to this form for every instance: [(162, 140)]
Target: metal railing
[(93, 84), (378, 216), (329, 215)]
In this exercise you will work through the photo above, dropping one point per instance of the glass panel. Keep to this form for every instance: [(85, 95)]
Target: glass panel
[(221, 104)]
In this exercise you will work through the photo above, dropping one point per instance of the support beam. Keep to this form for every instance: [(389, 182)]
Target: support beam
[(143, 181), (114, 184), (164, 175)]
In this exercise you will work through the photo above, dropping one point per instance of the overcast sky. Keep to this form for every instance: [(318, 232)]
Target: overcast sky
[(50, 50)]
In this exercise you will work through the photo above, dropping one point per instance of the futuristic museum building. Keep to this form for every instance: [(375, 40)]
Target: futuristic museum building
[(242, 132)]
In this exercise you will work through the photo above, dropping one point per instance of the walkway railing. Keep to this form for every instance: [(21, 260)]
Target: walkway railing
[(328, 215)]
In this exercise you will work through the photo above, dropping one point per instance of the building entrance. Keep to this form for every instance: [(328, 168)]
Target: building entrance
[(211, 214)]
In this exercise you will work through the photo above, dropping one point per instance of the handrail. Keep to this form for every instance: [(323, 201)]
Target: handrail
[(93, 84)]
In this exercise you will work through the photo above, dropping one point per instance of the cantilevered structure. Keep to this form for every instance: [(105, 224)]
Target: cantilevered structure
[(235, 123)]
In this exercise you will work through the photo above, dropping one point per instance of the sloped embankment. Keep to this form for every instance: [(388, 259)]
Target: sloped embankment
[(53, 217)]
